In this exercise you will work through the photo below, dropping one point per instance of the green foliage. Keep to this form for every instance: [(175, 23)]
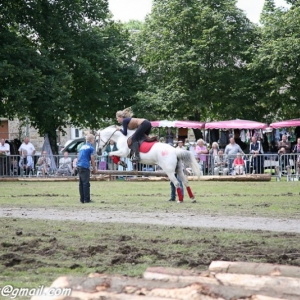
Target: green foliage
[(134, 25), (278, 57), (195, 55), (64, 62)]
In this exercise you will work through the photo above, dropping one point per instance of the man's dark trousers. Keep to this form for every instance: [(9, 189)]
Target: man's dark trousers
[(84, 184)]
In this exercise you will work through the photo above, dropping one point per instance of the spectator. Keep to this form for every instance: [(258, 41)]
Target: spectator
[(110, 162), (74, 165), (26, 145), (296, 150), (180, 145), (284, 146), (257, 159), (284, 163), (221, 164), (231, 151), (192, 149), (4, 153), (109, 148), (26, 163), (213, 152), (202, 152), (14, 168), (239, 164), (43, 163), (170, 137), (65, 165), (85, 157)]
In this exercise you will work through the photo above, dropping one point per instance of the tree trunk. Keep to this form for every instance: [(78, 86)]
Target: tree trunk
[(53, 141)]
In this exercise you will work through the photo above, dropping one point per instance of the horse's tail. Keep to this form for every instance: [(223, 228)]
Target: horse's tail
[(189, 160)]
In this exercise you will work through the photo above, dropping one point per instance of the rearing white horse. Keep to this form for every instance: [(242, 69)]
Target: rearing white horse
[(170, 159)]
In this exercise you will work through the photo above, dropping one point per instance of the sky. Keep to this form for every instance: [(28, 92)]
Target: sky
[(125, 10)]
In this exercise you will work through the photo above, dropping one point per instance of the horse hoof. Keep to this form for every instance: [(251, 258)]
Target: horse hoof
[(194, 201), (180, 201)]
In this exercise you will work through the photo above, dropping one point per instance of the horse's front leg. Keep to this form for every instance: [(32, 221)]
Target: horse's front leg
[(120, 153)]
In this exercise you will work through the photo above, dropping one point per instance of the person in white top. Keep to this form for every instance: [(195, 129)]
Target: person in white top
[(26, 145), (26, 163), (192, 149), (180, 145), (4, 148), (4, 160), (65, 165)]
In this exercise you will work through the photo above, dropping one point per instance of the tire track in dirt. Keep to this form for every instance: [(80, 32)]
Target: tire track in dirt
[(156, 218)]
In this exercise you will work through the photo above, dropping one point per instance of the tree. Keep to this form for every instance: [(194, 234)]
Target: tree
[(195, 56), (64, 62), (279, 56)]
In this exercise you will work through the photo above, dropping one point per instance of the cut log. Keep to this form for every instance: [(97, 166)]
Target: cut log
[(124, 288), (131, 173), (289, 285), (254, 268), (99, 286), (247, 177), (278, 287)]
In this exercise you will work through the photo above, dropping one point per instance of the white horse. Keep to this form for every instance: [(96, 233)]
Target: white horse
[(170, 159)]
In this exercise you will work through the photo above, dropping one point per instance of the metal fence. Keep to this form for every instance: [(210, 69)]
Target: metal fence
[(286, 166)]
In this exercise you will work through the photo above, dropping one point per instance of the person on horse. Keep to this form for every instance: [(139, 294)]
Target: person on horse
[(142, 127)]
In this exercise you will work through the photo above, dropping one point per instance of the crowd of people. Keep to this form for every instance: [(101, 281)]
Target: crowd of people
[(216, 158), (28, 163), (238, 157)]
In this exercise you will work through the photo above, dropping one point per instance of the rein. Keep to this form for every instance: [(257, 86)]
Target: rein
[(105, 143)]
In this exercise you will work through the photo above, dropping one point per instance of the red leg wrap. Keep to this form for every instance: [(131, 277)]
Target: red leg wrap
[(179, 193), (190, 192), (115, 159)]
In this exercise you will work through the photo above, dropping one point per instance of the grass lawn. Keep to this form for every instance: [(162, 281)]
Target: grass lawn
[(265, 199), (36, 252)]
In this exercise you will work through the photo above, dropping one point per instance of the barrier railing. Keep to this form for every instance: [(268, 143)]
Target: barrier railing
[(278, 166)]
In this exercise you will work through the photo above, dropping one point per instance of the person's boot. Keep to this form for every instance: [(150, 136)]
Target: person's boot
[(136, 152)]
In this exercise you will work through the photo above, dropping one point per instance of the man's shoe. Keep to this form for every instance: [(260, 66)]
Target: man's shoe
[(81, 201), (171, 199), (90, 201)]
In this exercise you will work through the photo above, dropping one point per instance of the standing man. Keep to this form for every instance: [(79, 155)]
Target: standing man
[(26, 145), (257, 159), (86, 155), (4, 160), (231, 150)]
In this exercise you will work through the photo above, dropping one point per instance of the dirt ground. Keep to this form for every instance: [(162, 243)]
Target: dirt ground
[(157, 218)]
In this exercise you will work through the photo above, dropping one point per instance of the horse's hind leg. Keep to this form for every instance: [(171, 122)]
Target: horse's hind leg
[(183, 178), (177, 186)]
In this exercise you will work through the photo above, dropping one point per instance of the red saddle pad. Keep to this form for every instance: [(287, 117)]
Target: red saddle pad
[(146, 146)]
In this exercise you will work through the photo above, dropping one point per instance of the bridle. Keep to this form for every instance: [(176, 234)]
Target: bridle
[(105, 143)]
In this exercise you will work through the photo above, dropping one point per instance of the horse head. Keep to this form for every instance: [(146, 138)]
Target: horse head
[(103, 137)]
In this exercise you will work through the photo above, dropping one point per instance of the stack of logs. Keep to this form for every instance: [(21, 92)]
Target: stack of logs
[(223, 280)]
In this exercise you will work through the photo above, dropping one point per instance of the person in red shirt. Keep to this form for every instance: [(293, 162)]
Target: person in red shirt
[(239, 164)]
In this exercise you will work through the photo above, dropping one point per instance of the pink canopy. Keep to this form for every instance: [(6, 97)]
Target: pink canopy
[(235, 124), (287, 123), (178, 124)]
